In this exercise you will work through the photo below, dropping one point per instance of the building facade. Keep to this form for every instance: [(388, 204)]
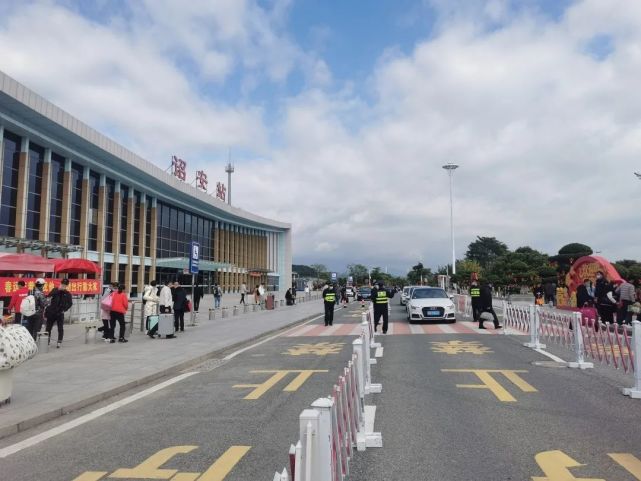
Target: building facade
[(68, 191)]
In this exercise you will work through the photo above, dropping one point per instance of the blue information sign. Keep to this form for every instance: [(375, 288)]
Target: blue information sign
[(194, 257)]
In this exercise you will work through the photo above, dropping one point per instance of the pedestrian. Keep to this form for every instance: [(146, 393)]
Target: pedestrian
[(380, 297), (180, 302), (218, 294), (329, 299), (550, 293), (294, 296), (288, 297), (198, 295), (539, 295), (34, 321), (166, 298), (486, 306), (16, 301), (584, 294), (257, 294), (243, 292), (60, 301), (105, 310), (626, 295), (344, 299), (608, 303), (600, 293), (151, 298), (119, 306), (475, 294)]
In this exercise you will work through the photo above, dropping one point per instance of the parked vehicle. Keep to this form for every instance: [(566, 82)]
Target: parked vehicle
[(364, 293)]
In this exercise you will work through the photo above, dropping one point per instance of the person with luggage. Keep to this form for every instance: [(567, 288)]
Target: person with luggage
[(34, 321), (198, 295), (16, 301), (119, 306), (105, 311), (329, 300), (166, 301), (60, 301), (180, 302), (151, 298), (486, 306)]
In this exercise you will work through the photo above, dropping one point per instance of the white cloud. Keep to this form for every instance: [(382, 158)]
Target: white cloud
[(547, 136)]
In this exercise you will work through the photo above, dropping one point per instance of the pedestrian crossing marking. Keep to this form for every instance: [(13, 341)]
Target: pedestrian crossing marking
[(460, 347), (319, 349), (628, 462), (488, 382), (278, 375), (399, 328)]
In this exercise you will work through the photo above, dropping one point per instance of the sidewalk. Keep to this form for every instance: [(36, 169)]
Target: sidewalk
[(63, 380)]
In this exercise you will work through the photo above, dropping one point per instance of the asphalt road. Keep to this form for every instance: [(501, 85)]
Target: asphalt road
[(216, 427)]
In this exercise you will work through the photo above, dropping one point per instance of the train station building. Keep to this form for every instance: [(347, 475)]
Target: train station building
[(68, 191)]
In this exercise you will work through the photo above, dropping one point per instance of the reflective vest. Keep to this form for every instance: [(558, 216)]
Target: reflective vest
[(475, 292), (381, 297), (330, 296)]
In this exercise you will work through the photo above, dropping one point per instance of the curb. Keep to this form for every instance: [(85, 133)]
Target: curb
[(34, 421)]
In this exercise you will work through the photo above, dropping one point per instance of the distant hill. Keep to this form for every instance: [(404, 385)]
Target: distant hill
[(303, 271)]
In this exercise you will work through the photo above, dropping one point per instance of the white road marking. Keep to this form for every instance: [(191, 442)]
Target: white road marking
[(551, 356), (414, 329), (447, 329), (38, 438)]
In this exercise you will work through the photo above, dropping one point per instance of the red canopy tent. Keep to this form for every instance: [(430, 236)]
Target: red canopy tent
[(25, 263), (75, 266)]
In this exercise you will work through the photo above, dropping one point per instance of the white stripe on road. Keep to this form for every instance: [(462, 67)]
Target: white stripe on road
[(38, 438), (551, 356), (447, 329), (414, 329)]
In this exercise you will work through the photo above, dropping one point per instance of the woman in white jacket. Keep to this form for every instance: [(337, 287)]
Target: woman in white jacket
[(150, 296)]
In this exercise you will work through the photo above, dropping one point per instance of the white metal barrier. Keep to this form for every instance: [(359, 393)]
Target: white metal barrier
[(337, 426)]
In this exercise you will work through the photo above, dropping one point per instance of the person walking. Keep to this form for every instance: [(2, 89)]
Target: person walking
[(218, 294), (243, 292), (344, 299), (257, 294), (198, 295), (34, 322), (380, 298), (60, 301), (151, 298), (486, 306), (180, 301), (550, 293), (475, 294), (601, 301), (119, 306), (626, 294), (165, 300), (16, 300), (329, 299), (105, 310)]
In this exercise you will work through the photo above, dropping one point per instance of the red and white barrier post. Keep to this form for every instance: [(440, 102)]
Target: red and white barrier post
[(534, 329), (369, 318), (635, 392), (309, 435), (363, 370), (579, 348)]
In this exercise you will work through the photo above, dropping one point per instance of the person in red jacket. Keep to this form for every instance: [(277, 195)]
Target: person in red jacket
[(119, 305), (16, 300)]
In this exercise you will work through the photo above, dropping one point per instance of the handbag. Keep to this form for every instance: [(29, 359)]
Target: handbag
[(107, 302), (187, 305), (16, 346)]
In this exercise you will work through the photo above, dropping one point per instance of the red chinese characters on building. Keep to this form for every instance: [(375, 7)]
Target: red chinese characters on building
[(179, 168), (201, 180), (221, 191)]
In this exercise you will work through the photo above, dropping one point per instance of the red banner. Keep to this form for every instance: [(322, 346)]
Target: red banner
[(8, 285)]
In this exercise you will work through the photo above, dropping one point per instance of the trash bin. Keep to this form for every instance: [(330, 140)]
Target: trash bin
[(269, 302)]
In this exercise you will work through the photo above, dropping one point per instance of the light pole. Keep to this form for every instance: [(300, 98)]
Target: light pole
[(450, 170), (229, 168)]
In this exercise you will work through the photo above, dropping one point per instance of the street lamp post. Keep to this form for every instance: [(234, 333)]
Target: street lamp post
[(450, 170)]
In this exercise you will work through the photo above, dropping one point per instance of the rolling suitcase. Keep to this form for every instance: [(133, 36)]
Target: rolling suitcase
[(166, 325)]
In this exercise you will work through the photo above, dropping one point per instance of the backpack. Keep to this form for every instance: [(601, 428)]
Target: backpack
[(28, 306)]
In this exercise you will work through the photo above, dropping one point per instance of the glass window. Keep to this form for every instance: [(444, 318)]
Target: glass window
[(34, 189), (148, 230), (11, 152), (109, 215), (433, 293), (94, 196), (124, 196), (136, 242), (76, 203), (57, 186)]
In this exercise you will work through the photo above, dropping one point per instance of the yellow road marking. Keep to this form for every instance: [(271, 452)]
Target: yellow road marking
[(185, 477), (460, 347), (485, 375), (319, 349), (629, 462), (91, 476), (150, 468), (555, 465), (278, 375), (223, 465)]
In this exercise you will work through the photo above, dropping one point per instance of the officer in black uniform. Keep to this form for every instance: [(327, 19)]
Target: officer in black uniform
[(380, 298), (329, 298), (475, 294)]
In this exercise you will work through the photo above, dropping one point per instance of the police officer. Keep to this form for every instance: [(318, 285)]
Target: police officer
[(329, 298), (475, 294), (380, 298)]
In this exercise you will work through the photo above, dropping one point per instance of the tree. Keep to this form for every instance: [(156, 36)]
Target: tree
[(628, 269), (464, 270), (568, 254), (358, 272), (418, 273), (303, 271), (320, 270), (485, 250)]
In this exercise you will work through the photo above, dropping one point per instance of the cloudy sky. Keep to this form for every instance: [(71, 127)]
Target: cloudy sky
[(339, 114)]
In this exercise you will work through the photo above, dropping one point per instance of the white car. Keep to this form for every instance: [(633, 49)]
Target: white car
[(349, 291), (408, 296), (430, 304)]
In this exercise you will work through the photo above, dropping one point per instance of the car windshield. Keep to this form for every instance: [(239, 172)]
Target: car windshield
[(429, 294), (365, 289)]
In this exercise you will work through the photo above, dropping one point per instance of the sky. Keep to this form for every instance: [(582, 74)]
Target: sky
[(340, 114)]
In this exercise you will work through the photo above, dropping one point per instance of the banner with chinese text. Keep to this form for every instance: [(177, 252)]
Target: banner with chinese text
[(8, 285)]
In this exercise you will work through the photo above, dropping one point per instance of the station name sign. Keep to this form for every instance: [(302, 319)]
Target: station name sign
[(179, 170)]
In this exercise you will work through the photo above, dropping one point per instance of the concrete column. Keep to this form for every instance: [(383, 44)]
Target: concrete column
[(84, 212), (65, 221), (154, 237), (1, 156), (45, 195), (129, 249), (117, 208), (23, 188), (141, 242), (102, 216)]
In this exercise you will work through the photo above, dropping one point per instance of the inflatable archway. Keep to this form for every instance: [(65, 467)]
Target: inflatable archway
[(586, 268)]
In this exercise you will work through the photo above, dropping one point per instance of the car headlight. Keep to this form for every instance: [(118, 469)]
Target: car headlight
[(450, 307), (414, 308)]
